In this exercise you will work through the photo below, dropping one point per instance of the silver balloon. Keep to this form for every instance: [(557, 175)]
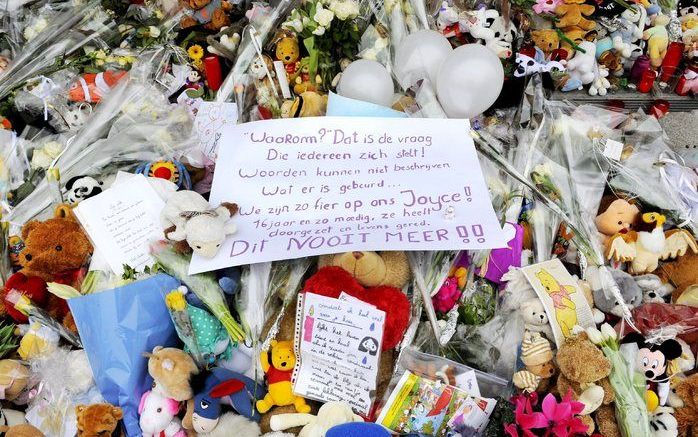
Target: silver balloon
[(368, 81), (419, 56), (469, 81)]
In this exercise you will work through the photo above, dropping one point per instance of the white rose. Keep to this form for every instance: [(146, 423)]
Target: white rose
[(345, 10), (323, 17), (319, 31), (154, 31)]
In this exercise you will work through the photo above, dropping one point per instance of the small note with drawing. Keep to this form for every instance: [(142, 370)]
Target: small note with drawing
[(338, 350), (122, 221)]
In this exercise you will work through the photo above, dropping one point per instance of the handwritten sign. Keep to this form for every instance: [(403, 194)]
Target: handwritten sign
[(122, 221), (339, 349), (210, 119), (314, 186)]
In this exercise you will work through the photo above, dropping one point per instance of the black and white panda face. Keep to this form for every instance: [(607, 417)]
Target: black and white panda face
[(82, 187), (689, 10)]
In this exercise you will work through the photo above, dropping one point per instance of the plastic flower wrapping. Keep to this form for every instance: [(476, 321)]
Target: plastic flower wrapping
[(347, 217)]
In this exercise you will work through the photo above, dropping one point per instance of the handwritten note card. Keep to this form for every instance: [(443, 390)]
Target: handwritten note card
[(339, 349), (313, 186), (122, 221), (211, 118)]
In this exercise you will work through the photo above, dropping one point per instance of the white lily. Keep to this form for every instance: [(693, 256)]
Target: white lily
[(323, 17)]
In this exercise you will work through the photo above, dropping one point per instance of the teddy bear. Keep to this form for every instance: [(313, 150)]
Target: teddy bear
[(546, 39), (606, 421), (572, 13), (97, 419), (213, 14), (55, 250), (189, 220), (23, 430), (682, 274), (288, 52), (278, 373), (581, 69), (657, 38), (687, 415), (372, 269), (537, 356), (584, 370), (14, 379), (171, 370), (303, 81), (629, 31), (535, 318)]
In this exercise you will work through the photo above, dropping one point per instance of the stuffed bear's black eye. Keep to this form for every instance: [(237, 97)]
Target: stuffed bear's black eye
[(59, 248), (28, 256), (198, 247)]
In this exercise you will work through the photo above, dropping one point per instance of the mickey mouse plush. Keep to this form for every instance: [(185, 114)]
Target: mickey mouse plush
[(653, 361)]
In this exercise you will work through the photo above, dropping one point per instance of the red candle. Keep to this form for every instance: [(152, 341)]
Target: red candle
[(647, 80), (212, 68), (642, 63), (671, 61)]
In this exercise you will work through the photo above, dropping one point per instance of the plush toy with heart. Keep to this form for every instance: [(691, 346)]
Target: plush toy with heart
[(331, 281)]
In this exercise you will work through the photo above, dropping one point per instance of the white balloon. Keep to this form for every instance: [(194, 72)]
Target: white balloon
[(469, 81), (368, 81), (419, 56)]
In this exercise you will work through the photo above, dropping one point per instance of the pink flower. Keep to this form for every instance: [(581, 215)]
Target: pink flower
[(447, 296), (558, 419), (525, 418), (546, 6)]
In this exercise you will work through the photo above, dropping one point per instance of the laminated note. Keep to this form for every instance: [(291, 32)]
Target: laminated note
[(338, 347), (122, 221)]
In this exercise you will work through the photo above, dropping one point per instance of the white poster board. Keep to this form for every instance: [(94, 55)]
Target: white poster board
[(314, 186)]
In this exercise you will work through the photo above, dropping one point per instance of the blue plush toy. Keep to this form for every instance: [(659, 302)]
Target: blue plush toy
[(358, 429), (225, 387)]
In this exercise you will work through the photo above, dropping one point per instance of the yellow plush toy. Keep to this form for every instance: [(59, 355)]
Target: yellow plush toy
[(279, 378), (657, 39)]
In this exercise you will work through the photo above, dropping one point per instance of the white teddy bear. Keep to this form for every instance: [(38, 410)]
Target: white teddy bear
[(203, 228), (600, 84), (581, 68)]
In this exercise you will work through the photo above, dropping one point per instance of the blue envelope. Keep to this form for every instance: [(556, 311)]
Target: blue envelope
[(339, 106), (116, 327)]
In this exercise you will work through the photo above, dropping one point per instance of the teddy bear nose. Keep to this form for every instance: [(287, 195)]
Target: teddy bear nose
[(288, 58), (28, 257), (541, 316), (358, 255), (283, 364)]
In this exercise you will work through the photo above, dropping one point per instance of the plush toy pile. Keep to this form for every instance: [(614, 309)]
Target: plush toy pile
[(586, 323)]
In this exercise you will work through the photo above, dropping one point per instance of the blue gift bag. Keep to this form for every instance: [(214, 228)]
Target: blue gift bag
[(116, 327)]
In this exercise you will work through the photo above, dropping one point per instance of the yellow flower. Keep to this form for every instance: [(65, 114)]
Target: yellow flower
[(99, 62), (198, 64), (121, 60), (196, 52)]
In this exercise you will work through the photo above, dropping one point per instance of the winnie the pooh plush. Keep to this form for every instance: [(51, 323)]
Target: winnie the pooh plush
[(657, 38), (278, 373), (307, 104), (97, 419), (288, 51), (55, 250)]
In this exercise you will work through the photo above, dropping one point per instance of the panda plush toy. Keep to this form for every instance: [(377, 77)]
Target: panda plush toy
[(80, 188)]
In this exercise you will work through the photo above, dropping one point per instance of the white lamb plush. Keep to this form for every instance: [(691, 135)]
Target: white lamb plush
[(204, 228)]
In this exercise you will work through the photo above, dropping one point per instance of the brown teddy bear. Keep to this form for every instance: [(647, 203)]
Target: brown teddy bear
[(55, 250), (546, 39), (97, 419), (24, 430), (582, 364), (171, 370), (212, 14), (687, 415), (572, 13), (372, 269), (681, 273), (606, 421)]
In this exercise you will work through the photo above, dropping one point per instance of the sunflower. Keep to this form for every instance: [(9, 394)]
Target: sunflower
[(195, 52)]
